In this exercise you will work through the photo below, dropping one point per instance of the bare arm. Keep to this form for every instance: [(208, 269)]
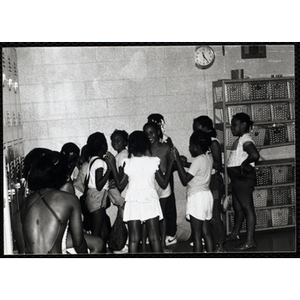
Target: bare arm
[(184, 176), (217, 155), (101, 179), (253, 155), (162, 179), (120, 179), (76, 229)]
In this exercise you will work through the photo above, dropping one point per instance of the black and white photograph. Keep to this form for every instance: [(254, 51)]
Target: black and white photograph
[(149, 150), (161, 149)]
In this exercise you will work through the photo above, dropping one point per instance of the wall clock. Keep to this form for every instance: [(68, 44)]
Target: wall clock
[(204, 57)]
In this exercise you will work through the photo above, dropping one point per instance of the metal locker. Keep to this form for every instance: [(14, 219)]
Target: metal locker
[(7, 120), (7, 230), (15, 95), (18, 129), (13, 150)]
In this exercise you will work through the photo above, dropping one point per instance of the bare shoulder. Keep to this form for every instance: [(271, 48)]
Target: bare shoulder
[(66, 197), (165, 147), (215, 145)]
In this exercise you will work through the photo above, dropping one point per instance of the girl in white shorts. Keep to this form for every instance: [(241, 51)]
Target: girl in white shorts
[(141, 200), (199, 197)]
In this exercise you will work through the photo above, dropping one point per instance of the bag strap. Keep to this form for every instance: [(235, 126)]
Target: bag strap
[(87, 176)]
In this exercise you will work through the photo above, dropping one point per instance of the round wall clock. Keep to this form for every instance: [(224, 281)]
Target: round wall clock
[(204, 57)]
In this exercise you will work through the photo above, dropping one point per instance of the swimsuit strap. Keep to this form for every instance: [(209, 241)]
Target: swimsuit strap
[(50, 208), (40, 196), (87, 176), (23, 216)]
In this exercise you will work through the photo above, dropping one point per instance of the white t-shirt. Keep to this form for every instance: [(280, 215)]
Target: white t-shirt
[(99, 163), (119, 163), (141, 177), (201, 169), (237, 156), (119, 158)]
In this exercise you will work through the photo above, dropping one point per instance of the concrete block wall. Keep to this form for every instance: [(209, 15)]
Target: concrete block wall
[(67, 93)]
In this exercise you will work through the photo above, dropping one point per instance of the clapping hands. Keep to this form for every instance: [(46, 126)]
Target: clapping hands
[(109, 159), (174, 153)]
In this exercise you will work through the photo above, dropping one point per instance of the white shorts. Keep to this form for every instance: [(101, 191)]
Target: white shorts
[(162, 193), (142, 211), (200, 205)]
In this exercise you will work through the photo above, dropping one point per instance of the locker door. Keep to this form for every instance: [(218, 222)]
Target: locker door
[(7, 234), (13, 138), (15, 96), (18, 129), (7, 120)]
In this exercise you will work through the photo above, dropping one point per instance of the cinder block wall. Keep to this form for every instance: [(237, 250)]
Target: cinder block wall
[(67, 93)]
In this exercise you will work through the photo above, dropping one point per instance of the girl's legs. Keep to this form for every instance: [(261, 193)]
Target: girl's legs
[(144, 237), (106, 229), (201, 229), (217, 225), (242, 192), (171, 212), (97, 221), (209, 244), (197, 226), (163, 224), (153, 233), (218, 229), (247, 206), (134, 228), (238, 216)]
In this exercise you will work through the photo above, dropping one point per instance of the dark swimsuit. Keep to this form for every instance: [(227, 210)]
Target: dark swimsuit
[(54, 214)]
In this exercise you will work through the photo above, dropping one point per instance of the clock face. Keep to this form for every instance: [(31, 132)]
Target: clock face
[(204, 57)]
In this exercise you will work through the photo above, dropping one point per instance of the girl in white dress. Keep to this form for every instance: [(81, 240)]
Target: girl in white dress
[(141, 200), (199, 197)]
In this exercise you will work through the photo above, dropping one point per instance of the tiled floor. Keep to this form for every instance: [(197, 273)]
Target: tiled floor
[(280, 240), (272, 241)]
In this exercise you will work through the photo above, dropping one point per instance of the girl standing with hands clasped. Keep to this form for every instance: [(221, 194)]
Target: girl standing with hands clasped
[(199, 197), (141, 201), (240, 168)]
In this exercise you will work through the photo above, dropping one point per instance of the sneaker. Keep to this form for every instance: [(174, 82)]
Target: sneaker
[(192, 243), (124, 250), (170, 240), (219, 249)]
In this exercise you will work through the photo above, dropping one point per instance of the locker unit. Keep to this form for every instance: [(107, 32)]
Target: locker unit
[(13, 153)]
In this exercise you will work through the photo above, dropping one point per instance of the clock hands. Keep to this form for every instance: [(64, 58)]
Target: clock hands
[(204, 57)]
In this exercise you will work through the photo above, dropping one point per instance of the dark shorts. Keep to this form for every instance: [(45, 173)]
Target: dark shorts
[(242, 184)]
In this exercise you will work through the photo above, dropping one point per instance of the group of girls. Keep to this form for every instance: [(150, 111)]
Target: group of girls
[(137, 180)]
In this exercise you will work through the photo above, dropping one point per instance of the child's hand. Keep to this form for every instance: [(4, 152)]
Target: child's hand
[(183, 159), (112, 184), (245, 168), (175, 153), (109, 159)]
